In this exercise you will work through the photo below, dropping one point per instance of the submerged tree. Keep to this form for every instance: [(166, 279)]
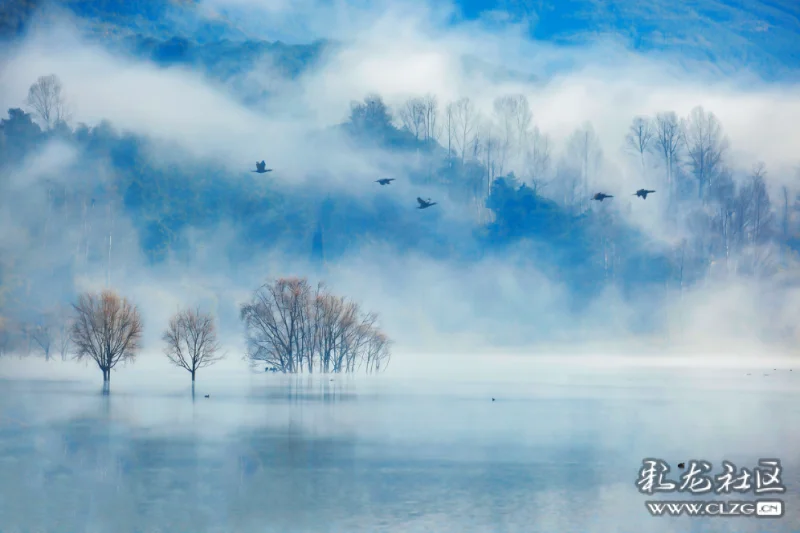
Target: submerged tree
[(297, 328), (107, 329), (191, 340)]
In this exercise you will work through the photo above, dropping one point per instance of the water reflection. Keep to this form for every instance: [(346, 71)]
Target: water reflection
[(308, 454)]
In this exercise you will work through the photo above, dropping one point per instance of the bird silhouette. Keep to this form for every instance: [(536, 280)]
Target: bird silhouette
[(681, 465), (384, 181), (643, 193), (424, 204), (600, 196), (261, 168), (207, 396)]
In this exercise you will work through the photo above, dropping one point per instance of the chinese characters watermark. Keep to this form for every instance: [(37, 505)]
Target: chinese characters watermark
[(697, 477)]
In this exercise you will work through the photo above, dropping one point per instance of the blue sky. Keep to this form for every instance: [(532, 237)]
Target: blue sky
[(763, 37), (764, 34)]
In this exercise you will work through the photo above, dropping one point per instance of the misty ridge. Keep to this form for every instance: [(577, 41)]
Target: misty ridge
[(128, 164)]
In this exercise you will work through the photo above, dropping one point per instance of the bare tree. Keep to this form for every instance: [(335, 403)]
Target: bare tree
[(412, 116), (63, 341), (668, 143), (569, 185), (46, 100), (723, 215), (377, 352), (538, 159), (464, 122), (584, 153), (42, 334), (107, 329), (640, 135), (760, 215), (785, 217), (449, 127), (524, 121), (11, 335), (420, 116), (332, 314), (430, 113), (705, 146), (490, 145), (297, 329), (505, 111), (273, 320), (514, 120), (759, 261), (191, 341)]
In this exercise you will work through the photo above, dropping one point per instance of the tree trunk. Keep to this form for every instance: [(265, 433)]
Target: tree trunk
[(194, 371)]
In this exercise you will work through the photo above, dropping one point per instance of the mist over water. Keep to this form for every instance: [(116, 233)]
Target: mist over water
[(558, 450), (544, 343)]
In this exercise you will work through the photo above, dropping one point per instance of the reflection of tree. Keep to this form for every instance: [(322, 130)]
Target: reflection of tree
[(301, 473)]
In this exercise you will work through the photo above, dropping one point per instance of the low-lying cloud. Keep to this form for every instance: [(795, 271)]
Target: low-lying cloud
[(399, 50)]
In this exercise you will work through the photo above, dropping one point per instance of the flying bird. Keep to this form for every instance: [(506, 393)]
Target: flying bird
[(384, 181), (643, 193), (600, 196), (261, 168), (423, 204)]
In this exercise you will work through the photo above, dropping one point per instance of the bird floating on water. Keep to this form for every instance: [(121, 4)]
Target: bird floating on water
[(207, 396), (601, 196), (643, 193), (424, 204), (261, 168)]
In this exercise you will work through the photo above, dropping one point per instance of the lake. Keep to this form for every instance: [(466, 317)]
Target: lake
[(559, 449)]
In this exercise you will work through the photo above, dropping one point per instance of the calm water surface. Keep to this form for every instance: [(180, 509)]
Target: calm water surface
[(558, 451)]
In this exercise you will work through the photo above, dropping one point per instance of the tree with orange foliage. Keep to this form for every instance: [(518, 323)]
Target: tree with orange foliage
[(107, 329), (297, 329)]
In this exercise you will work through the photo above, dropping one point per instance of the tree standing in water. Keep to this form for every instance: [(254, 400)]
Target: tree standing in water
[(191, 341), (107, 329)]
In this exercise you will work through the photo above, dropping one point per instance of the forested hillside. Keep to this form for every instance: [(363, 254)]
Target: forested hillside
[(543, 207), (503, 187)]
